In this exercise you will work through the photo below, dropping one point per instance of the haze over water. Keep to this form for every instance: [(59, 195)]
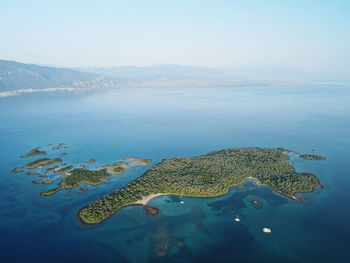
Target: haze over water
[(161, 123)]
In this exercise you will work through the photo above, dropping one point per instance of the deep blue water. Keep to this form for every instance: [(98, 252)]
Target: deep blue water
[(161, 123)]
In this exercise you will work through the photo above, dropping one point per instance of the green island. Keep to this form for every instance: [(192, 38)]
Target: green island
[(41, 162), (63, 169), (312, 157), (209, 175), (119, 170), (33, 152), (50, 168), (120, 167), (47, 182), (91, 161), (78, 176)]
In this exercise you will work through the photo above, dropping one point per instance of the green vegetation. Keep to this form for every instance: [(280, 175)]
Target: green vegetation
[(50, 168), (33, 152), (78, 176), (312, 157), (119, 170), (47, 182), (120, 167), (91, 161), (205, 176), (42, 162), (51, 191), (63, 169)]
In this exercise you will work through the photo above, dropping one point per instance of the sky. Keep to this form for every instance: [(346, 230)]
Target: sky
[(310, 35)]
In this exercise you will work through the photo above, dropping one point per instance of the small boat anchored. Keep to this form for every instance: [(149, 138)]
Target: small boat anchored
[(237, 219), (266, 230), (181, 202)]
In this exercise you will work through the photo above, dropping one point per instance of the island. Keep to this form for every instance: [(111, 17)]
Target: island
[(47, 182), (49, 169), (312, 157), (209, 175), (256, 203), (41, 163), (36, 182), (17, 170), (78, 176), (33, 152), (57, 147), (63, 169), (91, 161), (120, 167), (32, 173), (119, 170)]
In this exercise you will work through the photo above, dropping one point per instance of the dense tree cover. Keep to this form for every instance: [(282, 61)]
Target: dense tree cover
[(78, 176), (312, 157), (42, 162), (33, 152), (119, 170), (206, 176)]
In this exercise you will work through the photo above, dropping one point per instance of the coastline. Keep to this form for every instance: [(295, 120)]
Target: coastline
[(149, 197)]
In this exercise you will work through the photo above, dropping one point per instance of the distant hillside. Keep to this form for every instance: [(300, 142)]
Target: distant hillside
[(160, 72), (18, 77), (172, 72)]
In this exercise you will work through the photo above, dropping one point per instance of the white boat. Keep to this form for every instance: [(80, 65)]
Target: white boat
[(237, 218), (266, 230), (181, 202)]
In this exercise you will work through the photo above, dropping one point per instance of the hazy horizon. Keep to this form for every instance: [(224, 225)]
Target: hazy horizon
[(311, 37)]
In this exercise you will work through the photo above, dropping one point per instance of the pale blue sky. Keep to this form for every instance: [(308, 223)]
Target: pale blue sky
[(311, 35)]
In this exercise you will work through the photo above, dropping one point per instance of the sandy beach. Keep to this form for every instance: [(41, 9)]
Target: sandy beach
[(147, 198)]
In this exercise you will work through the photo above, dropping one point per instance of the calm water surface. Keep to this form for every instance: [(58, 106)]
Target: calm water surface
[(161, 123)]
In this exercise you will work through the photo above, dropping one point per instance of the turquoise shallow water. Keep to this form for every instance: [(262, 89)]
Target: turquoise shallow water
[(160, 123)]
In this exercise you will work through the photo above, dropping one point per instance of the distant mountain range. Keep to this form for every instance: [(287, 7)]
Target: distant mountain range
[(18, 78), (191, 72)]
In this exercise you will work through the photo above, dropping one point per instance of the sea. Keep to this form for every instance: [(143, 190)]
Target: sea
[(158, 123)]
